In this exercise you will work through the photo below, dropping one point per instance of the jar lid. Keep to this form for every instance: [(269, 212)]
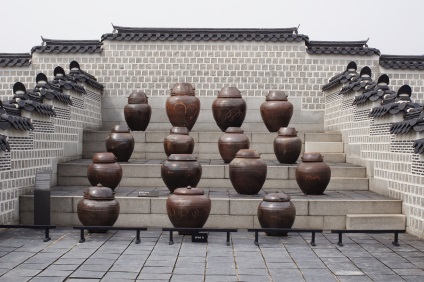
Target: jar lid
[(247, 153), (182, 89), (189, 191), (182, 157), (287, 131), (104, 157), (312, 157), (234, 130), (99, 193), (137, 97), (277, 197), (229, 92), (120, 129), (179, 130), (276, 95)]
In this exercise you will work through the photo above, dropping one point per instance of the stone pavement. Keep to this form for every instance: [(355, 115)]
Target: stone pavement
[(113, 256)]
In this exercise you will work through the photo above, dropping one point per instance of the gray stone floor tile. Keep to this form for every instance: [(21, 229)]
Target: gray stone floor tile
[(87, 274), (190, 270), (221, 271), (318, 275), (251, 278), (185, 278), (120, 276), (413, 278), (409, 271), (220, 278), (158, 270), (386, 278), (154, 276), (355, 278), (11, 278), (55, 273), (48, 279)]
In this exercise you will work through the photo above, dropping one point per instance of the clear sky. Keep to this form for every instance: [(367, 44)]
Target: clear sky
[(394, 27)]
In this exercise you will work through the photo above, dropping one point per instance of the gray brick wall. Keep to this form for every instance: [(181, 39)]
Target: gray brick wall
[(393, 168)]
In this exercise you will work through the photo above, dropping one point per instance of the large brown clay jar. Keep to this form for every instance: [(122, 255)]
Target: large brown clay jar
[(183, 107), (181, 170), (104, 170), (287, 145), (120, 142), (276, 211), (178, 142), (247, 172), (231, 142), (229, 108), (188, 208), (137, 112), (312, 174), (98, 207), (276, 111)]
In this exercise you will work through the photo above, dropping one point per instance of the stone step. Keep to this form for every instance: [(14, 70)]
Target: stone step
[(229, 209), (215, 173), (375, 221), (149, 145)]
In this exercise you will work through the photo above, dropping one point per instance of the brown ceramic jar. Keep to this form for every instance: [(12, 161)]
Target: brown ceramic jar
[(287, 145), (276, 211), (98, 207), (181, 170), (312, 174), (188, 208), (183, 107), (137, 112), (120, 142), (276, 111), (247, 172), (178, 142), (104, 170), (231, 142), (229, 108)]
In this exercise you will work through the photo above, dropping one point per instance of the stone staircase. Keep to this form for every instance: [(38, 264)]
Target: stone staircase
[(347, 202)]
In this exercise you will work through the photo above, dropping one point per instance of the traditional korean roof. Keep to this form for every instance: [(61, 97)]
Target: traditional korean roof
[(400, 102), (419, 146), (414, 119), (10, 116), (402, 62), (204, 34), (4, 145), (15, 59), (342, 77), (49, 91), (360, 82), (65, 81), (68, 46), (341, 48), (81, 76), (380, 90), (30, 101)]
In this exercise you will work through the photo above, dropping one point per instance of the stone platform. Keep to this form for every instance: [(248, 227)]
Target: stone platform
[(229, 209), (146, 173)]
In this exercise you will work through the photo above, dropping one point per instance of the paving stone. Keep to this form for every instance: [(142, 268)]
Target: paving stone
[(185, 278), (154, 276), (251, 278), (87, 274), (385, 278), (220, 278), (48, 279), (355, 278), (115, 275)]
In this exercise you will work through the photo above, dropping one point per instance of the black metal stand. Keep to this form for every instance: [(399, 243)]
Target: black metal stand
[(284, 230), (197, 230), (45, 227), (341, 231), (105, 228)]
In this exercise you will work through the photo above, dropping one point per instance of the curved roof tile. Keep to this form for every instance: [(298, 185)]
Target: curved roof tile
[(402, 62), (341, 48), (68, 46), (15, 59), (204, 34)]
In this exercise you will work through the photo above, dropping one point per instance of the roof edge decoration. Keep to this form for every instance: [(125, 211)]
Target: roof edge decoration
[(204, 34), (68, 46), (412, 62), (15, 59), (340, 47)]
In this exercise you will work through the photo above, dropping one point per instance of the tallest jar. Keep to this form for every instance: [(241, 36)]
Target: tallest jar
[(229, 108), (183, 107)]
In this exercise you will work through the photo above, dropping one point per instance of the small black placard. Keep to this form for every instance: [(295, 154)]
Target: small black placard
[(148, 193), (199, 237)]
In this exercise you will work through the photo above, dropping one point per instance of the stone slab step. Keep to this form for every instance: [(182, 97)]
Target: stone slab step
[(229, 209), (375, 221), (149, 145), (147, 174)]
